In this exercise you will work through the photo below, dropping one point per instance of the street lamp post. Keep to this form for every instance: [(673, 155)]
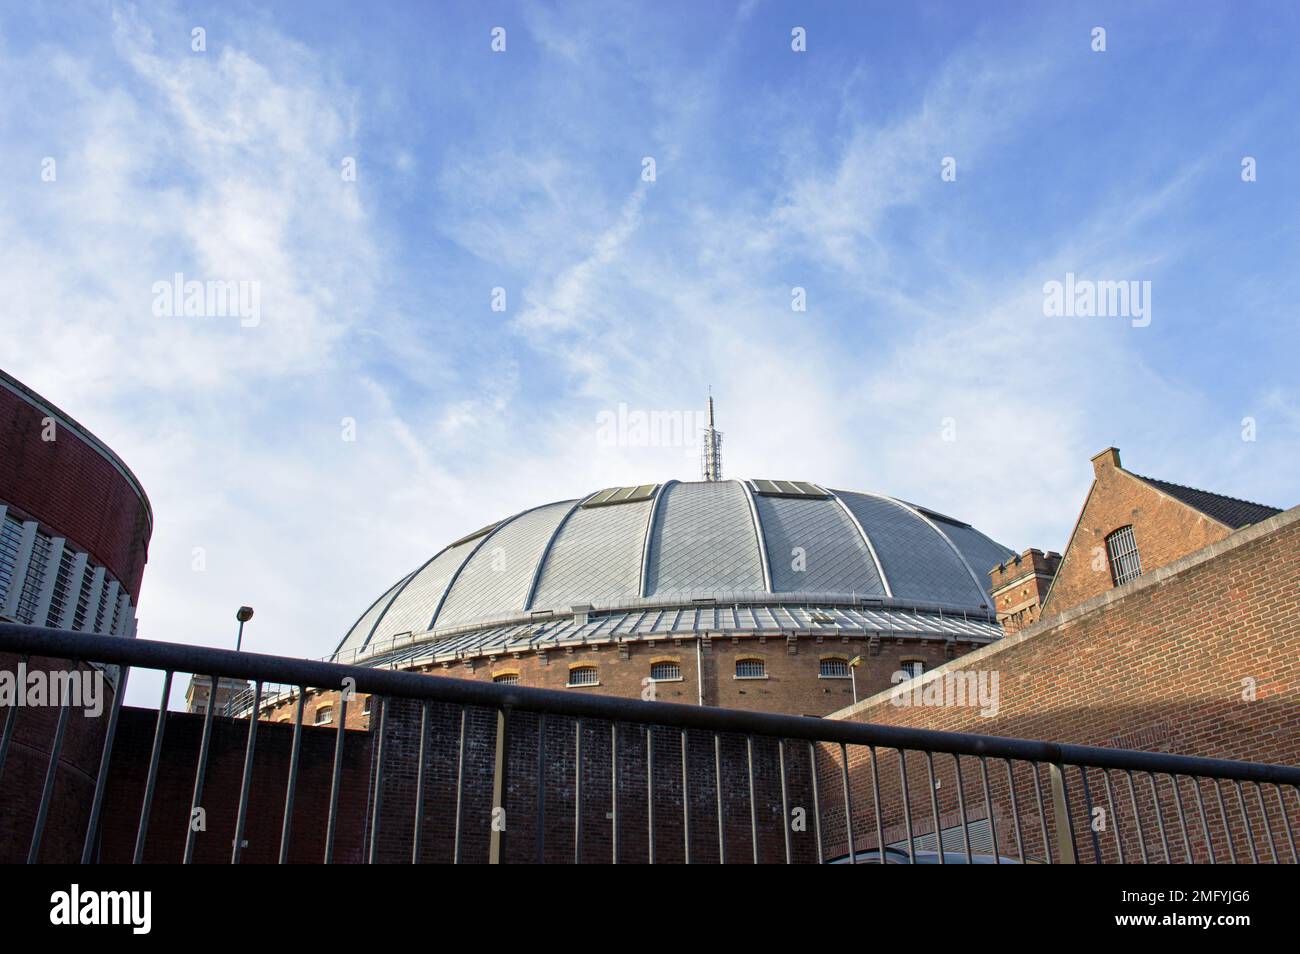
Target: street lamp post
[(244, 614), (854, 663)]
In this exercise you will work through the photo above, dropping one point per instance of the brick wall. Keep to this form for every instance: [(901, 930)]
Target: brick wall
[(1200, 658), (175, 787), (69, 486)]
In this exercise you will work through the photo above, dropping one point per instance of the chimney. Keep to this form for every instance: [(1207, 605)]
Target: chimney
[(1107, 458)]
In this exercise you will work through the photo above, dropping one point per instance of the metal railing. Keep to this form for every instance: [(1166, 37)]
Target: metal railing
[(588, 777)]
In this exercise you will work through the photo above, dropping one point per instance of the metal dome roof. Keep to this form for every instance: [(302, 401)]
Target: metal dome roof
[(736, 543)]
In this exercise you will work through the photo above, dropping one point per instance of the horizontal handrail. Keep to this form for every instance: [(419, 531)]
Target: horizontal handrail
[(205, 660)]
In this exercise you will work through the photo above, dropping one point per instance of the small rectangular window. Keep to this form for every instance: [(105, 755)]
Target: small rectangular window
[(911, 667), (834, 669), (506, 678), (583, 676), (751, 669), (324, 715), (665, 672)]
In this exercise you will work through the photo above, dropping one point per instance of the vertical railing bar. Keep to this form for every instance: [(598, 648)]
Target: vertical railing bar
[(1087, 800), (418, 822), (286, 826), (247, 779), (142, 830), (9, 726), (1268, 826), (577, 791), (500, 788), (1205, 823), (1015, 812), (961, 808), (101, 776), (1114, 816), (848, 806), (817, 802), (613, 792), (1182, 817), (934, 809), (1160, 818), (1042, 815), (717, 773), (1137, 817), (1227, 825), (1245, 820), (1069, 814), (200, 772), (336, 778), (51, 776), (875, 797), (907, 809), (1290, 836), (376, 803), (686, 806), (753, 803), (785, 800), (988, 811), (460, 786), (540, 849), (650, 791)]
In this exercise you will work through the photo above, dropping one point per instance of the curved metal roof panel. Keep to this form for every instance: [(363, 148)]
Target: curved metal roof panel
[(812, 545), (495, 581), (356, 638), (980, 552), (595, 559), (920, 563), (412, 610), (703, 542)]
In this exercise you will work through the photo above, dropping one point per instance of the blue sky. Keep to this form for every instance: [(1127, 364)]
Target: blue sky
[(523, 170)]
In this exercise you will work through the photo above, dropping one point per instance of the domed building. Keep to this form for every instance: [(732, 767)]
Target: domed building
[(781, 595)]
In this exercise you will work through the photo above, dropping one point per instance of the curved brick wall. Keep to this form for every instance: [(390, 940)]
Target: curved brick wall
[(73, 484)]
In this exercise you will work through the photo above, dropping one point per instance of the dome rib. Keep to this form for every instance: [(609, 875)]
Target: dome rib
[(649, 534), (763, 559), (948, 540), (875, 558), (446, 590), (546, 551)]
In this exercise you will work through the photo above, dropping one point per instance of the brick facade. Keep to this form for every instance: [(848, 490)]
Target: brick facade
[(1020, 586), (1201, 657), (1166, 530)]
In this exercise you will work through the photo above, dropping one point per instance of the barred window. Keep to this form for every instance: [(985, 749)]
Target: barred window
[(665, 672), (834, 669), (911, 667), (324, 715), (583, 676), (506, 678), (11, 534), (751, 669), (1122, 549)]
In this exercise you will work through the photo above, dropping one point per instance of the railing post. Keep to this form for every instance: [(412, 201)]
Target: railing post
[(498, 844), (1061, 815)]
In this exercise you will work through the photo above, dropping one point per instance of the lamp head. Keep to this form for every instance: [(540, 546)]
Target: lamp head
[(244, 614)]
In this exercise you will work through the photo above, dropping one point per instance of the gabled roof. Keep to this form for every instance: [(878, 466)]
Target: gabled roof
[(1227, 510)]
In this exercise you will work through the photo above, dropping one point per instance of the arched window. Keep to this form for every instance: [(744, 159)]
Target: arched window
[(834, 669), (583, 676), (1122, 549), (751, 668), (506, 678), (324, 715), (666, 671)]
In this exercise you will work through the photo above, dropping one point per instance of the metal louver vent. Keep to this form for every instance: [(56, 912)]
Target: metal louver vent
[(788, 488), (621, 495)]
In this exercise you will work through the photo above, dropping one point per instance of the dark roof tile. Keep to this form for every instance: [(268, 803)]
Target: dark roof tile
[(1227, 510)]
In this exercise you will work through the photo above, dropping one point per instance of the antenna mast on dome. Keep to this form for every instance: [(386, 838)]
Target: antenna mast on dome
[(711, 455)]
